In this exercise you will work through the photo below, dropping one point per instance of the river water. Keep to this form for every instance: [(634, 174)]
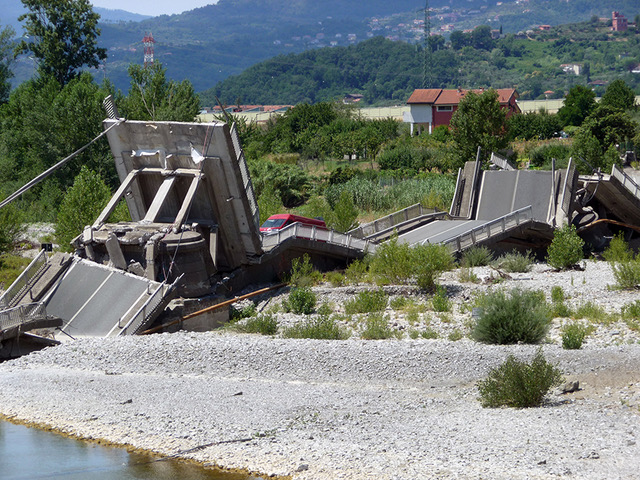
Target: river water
[(30, 453)]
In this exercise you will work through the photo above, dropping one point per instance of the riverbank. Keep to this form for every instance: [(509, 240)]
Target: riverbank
[(322, 409), (353, 409)]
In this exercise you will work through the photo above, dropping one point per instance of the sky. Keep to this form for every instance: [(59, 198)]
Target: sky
[(152, 7)]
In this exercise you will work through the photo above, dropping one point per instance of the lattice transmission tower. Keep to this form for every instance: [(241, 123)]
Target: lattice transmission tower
[(427, 79), (148, 42)]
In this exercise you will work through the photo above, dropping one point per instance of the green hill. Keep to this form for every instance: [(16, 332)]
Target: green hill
[(387, 72)]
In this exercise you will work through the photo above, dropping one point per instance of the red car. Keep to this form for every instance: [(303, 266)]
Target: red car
[(281, 220)]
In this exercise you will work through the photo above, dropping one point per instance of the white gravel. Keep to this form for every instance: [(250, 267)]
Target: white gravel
[(353, 409)]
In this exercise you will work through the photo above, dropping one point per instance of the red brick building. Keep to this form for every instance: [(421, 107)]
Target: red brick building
[(618, 22), (429, 108)]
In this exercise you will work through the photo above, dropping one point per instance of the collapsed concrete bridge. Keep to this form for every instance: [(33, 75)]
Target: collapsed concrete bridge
[(194, 229)]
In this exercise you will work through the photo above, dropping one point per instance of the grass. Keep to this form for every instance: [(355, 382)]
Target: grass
[(11, 266), (322, 327), (263, 324), (366, 302), (595, 314), (573, 335), (376, 327), (440, 300), (515, 262), (476, 257)]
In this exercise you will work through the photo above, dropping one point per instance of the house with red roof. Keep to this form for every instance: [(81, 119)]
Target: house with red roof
[(432, 107)]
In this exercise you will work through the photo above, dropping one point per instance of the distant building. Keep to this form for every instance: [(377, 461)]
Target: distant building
[(544, 28), (618, 22), (574, 68), (432, 107), (352, 98)]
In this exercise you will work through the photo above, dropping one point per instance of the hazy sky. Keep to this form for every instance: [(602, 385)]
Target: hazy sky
[(152, 7)]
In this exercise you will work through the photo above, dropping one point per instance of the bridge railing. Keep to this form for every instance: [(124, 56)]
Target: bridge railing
[(495, 227), (392, 220), (156, 300), (20, 314), (298, 230), (244, 172), (626, 181), (24, 280)]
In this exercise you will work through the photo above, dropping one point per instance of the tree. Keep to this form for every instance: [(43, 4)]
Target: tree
[(618, 95), (479, 121), (81, 205), (63, 37), (6, 57), (481, 38), (458, 39), (152, 97), (345, 214), (578, 104)]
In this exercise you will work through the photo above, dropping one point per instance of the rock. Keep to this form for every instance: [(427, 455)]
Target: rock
[(570, 387)]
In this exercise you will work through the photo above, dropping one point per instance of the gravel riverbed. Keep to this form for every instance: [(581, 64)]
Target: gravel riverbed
[(402, 408)]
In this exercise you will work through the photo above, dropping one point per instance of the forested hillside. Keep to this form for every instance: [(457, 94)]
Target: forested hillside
[(386, 72)]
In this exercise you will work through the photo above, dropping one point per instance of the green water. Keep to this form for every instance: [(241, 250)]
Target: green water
[(29, 453)]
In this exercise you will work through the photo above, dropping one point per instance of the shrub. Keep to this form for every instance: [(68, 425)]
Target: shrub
[(11, 266), (573, 335), (11, 227), (322, 327), (336, 279), (519, 384), (355, 272), (455, 335), (618, 250), (515, 262), (477, 256), (627, 274), (81, 205), (594, 313), (429, 334), (631, 315), (440, 300), (558, 307), (466, 275), (376, 327), (565, 250), (240, 313), (344, 215), (522, 316), (367, 301), (301, 301), (263, 324), (429, 262), (303, 274)]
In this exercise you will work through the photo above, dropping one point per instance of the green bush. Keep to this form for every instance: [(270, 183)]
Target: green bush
[(618, 250), (631, 315), (519, 384), (429, 261), (477, 256), (367, 301), (565, 250), (558, 307), (521, 316), (455, 335), (81, 205), (356, 272), (263, 324), (392, 263), (336, 279), (573, 335), (627, 274), (240, 313), (322, 327), (11, 226), (301, 301), (515, 262), (376, 327), (429, 334), (440, 300), (302, 272)]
